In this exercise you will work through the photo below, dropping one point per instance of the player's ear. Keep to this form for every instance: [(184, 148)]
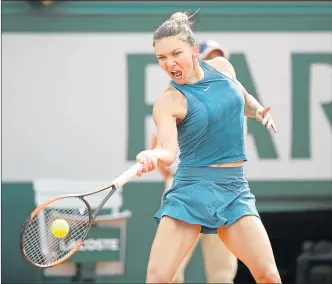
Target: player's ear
[(196, 51)]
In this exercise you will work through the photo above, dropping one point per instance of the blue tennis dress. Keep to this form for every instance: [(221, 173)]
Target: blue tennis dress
[(211, 133)]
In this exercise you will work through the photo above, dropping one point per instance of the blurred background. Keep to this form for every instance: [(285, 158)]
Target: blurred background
[(78, 82)]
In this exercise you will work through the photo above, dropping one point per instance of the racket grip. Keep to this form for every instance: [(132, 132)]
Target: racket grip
[(127, 176)]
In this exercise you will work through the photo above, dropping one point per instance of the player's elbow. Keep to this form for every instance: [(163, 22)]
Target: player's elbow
[(170, 160), (165, 156), (163, 165)]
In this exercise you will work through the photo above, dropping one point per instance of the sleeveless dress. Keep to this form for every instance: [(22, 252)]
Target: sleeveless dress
[(211, 133)]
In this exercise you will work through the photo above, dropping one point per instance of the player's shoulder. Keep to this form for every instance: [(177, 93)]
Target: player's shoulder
[(169, 97), (222, 65), (171, 91), (218, 61)]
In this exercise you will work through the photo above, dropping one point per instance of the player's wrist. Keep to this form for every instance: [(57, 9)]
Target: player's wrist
[(258, 110)]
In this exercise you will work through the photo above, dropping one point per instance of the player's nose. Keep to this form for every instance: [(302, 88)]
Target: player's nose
[(170, 63)]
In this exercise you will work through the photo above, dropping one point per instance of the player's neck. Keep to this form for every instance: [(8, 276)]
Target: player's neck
[(198, 73)]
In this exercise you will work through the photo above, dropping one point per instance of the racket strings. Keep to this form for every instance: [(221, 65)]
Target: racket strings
[(41, 246)]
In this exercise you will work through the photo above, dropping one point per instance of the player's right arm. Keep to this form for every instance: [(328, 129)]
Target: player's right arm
[(162, 169), (164, 115)]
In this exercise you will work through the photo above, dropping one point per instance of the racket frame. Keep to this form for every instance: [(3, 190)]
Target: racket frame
[(115, 185), (79, 243)]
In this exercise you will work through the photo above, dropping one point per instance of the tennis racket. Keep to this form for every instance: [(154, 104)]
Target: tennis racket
[(40, 247)]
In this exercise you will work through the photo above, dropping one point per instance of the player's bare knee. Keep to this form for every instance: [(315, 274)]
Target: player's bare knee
[(158, 275), (221, 274), (268, 274), (178, 278)]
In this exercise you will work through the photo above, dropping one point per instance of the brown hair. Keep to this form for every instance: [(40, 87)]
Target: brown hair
[(180, 23)]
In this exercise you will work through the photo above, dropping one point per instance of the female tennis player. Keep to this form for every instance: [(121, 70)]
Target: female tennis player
[(202, 111), (219, 263)]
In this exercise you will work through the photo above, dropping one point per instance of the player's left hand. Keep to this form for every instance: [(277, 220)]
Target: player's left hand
[(264, 116)]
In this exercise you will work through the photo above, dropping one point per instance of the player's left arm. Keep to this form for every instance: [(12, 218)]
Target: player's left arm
[(252, 107)]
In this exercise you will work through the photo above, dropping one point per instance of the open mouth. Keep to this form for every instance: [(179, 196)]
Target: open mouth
[(176, 74)]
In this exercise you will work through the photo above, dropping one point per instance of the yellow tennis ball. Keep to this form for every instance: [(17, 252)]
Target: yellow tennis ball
[(60, 228)]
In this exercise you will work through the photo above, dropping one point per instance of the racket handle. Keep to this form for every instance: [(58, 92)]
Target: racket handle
[(127, 176)]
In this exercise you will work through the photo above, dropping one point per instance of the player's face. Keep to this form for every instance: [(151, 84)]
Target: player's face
[(176, 57)]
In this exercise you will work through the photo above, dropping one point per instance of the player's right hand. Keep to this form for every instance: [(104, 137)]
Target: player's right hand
[(148, 159)]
